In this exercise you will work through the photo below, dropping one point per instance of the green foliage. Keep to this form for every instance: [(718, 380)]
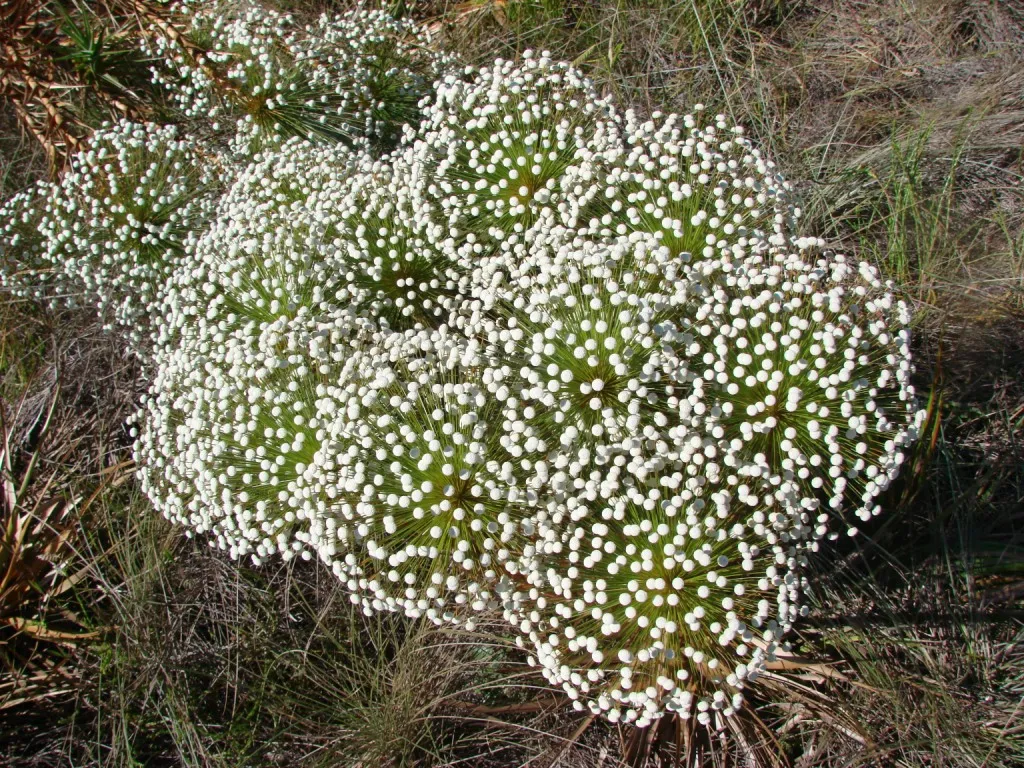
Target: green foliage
[(102, 59)]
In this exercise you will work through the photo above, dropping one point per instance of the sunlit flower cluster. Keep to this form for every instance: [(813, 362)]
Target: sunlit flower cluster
[(285, 360), (383, 249), (114, 228), (703, 189), (691, 440), (546, 359), (495, 153), (266, 77)]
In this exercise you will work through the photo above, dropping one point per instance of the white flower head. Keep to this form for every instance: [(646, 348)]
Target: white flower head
[(116, 226), (498, 150), (430, 516), (698, 184), (354, 78)]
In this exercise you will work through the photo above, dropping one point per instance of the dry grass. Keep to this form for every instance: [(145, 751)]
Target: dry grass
[(58, 442), (205, 663)]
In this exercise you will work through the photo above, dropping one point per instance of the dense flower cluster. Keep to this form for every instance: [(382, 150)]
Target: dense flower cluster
[(114, 228), (343, 78), (547, 359), (495, 154), (238, 335), (705, 433), (704, 190)]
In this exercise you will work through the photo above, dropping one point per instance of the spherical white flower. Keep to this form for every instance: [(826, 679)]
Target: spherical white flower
[(698, 184), (235, 437), (430, 516), (807, 378), (382, 250), (497, 150), (263, 253)]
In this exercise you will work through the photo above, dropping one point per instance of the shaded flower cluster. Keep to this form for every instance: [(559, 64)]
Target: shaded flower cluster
[(349, 78), (115, 227)]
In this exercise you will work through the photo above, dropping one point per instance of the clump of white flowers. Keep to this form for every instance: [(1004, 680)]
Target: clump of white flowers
[(114, 228), (545, 358), (703, 189), (265, 77), (23, 264), (382, 248), (693, 439), (252, 330), (494, 153), (567, 362), (430, 515)]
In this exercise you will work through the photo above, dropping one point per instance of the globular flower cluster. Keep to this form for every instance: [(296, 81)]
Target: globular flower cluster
[(349, 78), (114, 228), (253, 314), (495, 154), (547, 359), (384, 249), (705, 191), (705, 432)]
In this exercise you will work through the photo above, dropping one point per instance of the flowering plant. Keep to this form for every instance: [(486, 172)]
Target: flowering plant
[(547, 359), (114, 228), (350, 78)]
